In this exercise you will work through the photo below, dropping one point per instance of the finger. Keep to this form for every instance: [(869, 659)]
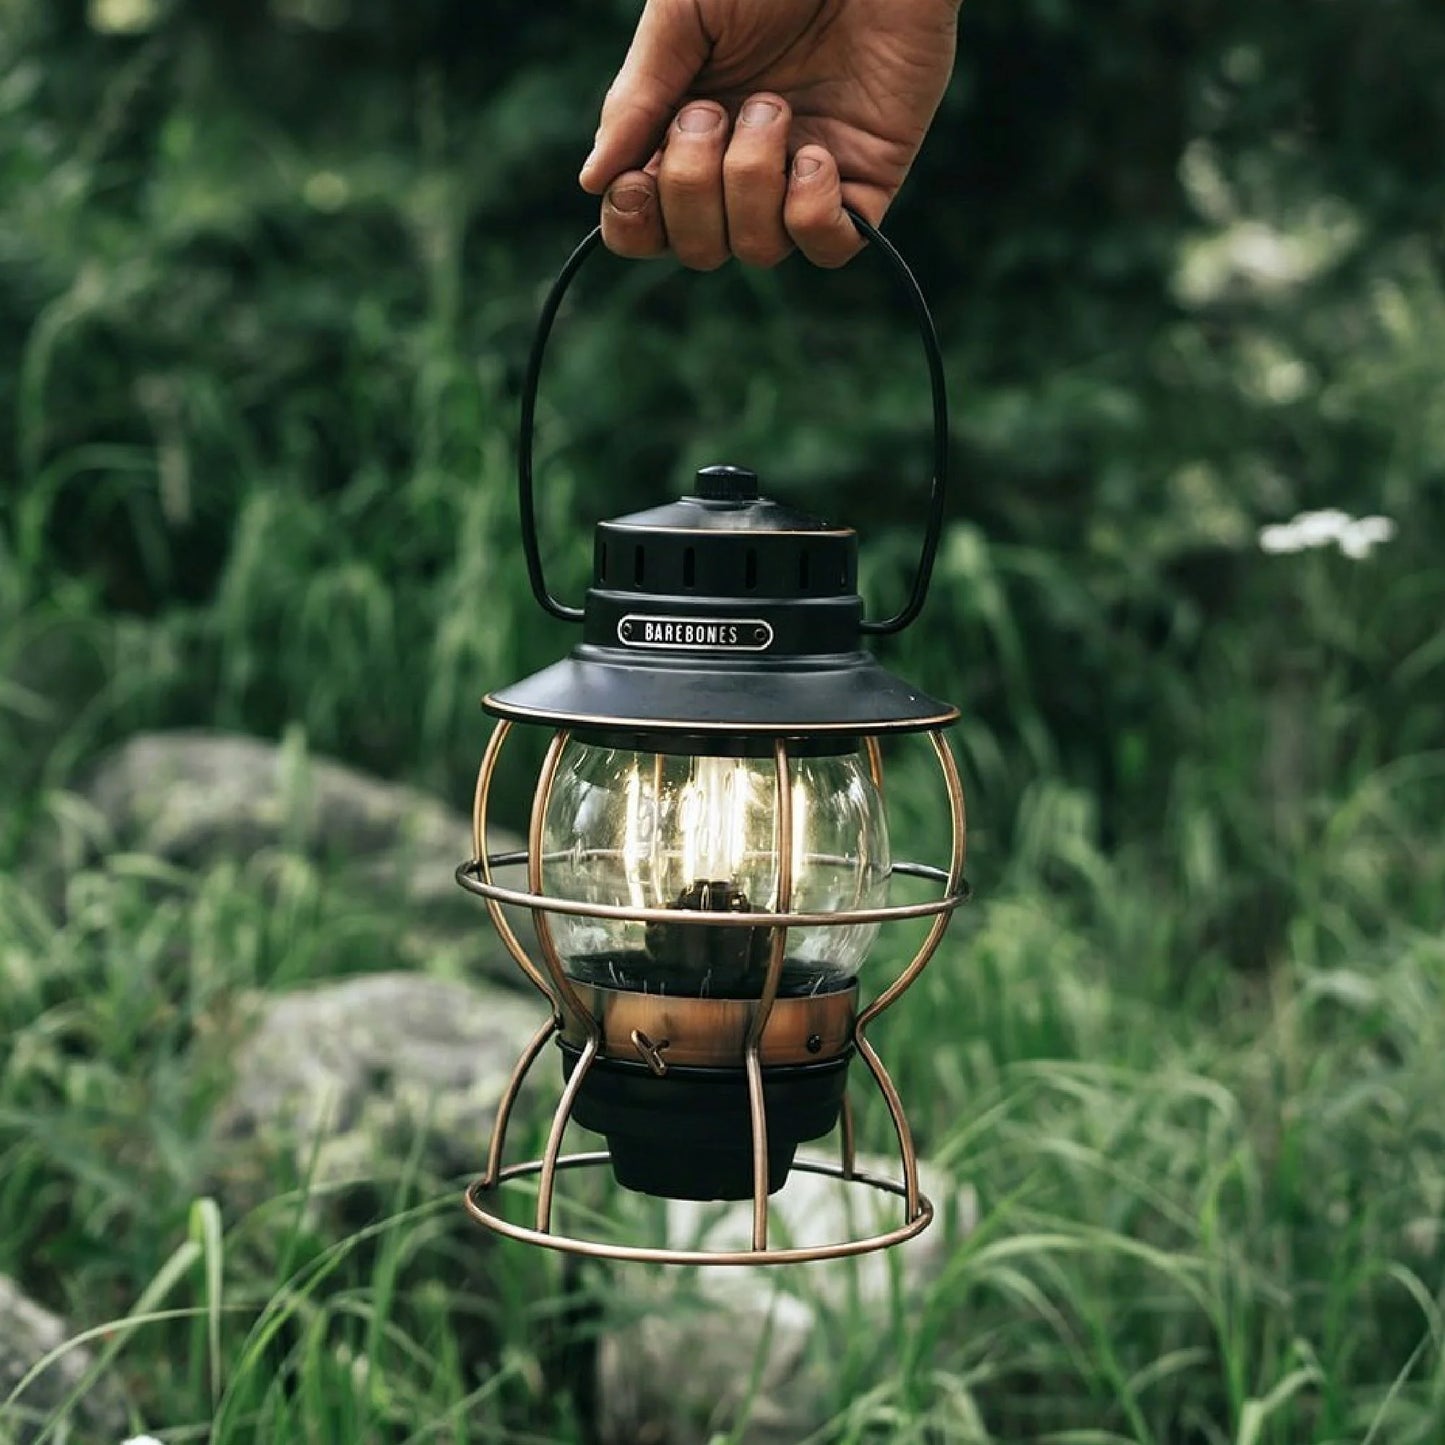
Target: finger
[(755, 181), (690, 186), (631, 217), (669, 48), (813, 212)]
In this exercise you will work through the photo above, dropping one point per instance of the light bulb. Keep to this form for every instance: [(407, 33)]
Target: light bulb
[(681, 832)]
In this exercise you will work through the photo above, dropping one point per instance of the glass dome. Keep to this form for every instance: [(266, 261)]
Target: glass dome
[(655, 830)]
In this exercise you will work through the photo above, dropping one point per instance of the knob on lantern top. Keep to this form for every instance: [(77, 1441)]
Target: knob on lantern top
[(727, 484)]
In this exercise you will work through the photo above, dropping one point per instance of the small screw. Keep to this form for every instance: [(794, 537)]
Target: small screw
[(815, 1042), (760, 634)]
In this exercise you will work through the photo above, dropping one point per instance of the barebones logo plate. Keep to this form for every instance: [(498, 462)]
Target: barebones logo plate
[(696, 634)]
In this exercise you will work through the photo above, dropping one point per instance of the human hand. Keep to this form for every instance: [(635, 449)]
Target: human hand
[(792, 108)]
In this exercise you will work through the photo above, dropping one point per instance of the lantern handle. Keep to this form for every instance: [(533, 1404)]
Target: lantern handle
[(928, 335)]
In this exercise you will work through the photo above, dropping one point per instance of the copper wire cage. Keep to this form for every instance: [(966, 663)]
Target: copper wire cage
[(570, 1011)]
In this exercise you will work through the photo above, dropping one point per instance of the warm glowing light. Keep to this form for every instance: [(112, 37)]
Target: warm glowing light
[(634, 837), (701, 833)]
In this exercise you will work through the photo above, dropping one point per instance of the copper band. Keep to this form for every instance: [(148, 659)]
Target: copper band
[(712, 1032)]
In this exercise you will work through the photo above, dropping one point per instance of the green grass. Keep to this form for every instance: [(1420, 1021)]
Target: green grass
[(1188, 1045), (1208, 1213)]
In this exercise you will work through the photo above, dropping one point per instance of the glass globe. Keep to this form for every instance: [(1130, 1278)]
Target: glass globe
[(655, 830)]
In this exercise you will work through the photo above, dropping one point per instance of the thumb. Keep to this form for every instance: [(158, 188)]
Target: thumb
[(668, 50)]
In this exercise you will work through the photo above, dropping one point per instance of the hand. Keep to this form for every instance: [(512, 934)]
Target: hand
[(793, 107)]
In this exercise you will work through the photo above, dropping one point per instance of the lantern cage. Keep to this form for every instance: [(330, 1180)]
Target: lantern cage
[(707, 856), (751, 1035)]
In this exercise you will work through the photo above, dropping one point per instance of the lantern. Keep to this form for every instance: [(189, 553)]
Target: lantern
[(708, 859)]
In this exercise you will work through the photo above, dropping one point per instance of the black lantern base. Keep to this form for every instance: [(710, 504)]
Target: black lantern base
[(687, 1134)]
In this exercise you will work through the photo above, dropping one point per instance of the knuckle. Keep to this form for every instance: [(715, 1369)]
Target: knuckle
[(688, 194), (699, 260), (687, 172), (750, 164), (762, 254)]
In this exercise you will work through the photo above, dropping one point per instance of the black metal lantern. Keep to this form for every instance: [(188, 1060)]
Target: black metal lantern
[(708, 858)]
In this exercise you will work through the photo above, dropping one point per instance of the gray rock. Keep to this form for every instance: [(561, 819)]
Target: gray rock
[(195, 797), (347, 1074), (690, 1353), (191, 796), (27, 1334)]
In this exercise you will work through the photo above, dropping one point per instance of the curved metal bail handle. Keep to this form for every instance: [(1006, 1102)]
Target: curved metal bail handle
[(939, 390)]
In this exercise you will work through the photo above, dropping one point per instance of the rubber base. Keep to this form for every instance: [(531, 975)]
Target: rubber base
[(688, 1133)]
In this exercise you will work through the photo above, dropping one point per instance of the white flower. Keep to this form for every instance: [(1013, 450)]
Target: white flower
[(1317, 528), (1356, 537), (1280, 539), (1364, 535)]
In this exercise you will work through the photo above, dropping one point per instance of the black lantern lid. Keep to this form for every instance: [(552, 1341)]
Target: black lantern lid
[(723, 612)]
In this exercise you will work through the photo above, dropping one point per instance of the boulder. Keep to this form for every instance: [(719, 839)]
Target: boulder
[(687, 1354), (196, 797), (27, 1334), (346, 1075)]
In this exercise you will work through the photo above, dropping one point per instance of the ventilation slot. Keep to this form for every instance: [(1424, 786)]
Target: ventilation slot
[(804, 571), (750, 570), (639, 569), (689, 568), (602, 561)]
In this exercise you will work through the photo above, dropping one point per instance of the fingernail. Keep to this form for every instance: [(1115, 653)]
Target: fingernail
[(698, 119), (759, 112), (629, 199), (805, 166)]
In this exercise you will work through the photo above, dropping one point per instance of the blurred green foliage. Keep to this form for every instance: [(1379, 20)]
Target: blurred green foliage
[(267, 275)]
